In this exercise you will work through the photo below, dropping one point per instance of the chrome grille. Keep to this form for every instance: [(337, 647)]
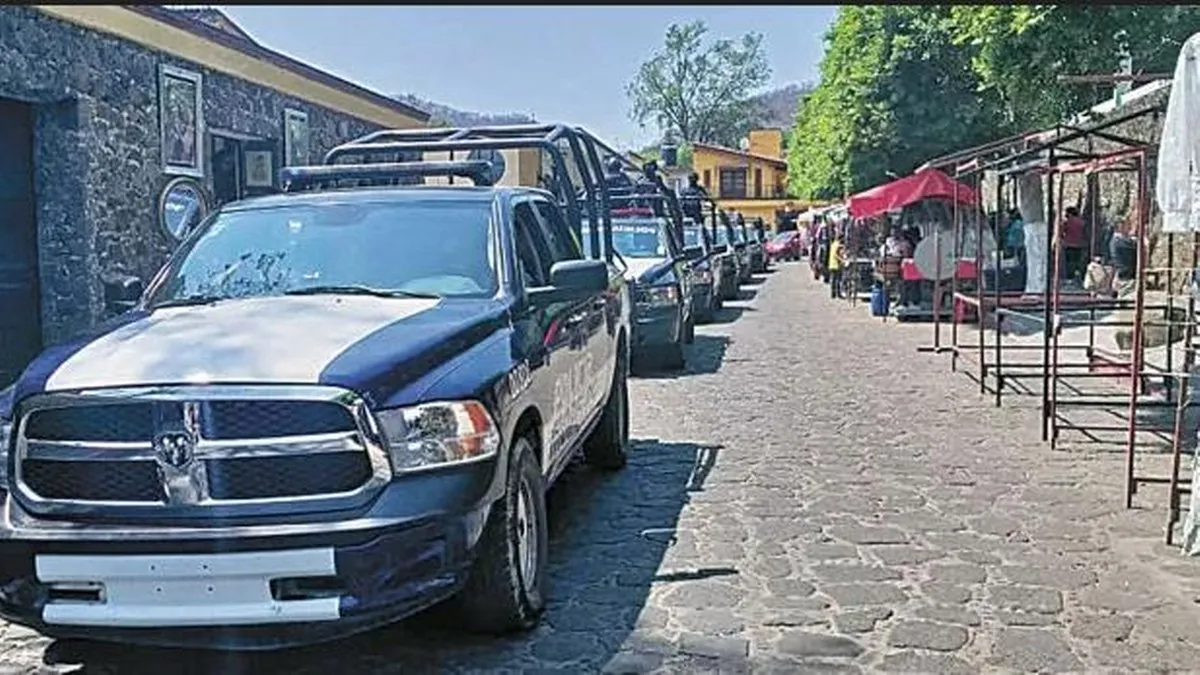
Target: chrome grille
[(193, 447)]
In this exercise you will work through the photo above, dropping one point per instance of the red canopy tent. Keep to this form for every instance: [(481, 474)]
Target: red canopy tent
[(924, 184)]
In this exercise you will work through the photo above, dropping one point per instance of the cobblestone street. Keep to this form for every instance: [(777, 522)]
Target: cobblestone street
[(813, 495)]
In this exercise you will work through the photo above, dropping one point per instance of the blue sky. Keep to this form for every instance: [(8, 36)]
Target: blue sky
[(567, 63)]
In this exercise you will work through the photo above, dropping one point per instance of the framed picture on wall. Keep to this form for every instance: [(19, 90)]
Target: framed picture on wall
[(181, 121), (295, 137), (258, 171)]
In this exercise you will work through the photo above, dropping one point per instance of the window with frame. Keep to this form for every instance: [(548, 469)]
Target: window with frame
[(758, 193), (562, 241), (733, 183), (533, 255)]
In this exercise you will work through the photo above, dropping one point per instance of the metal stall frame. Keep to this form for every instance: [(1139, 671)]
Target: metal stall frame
[(1178, 487), (1017, 154), (1051, 371), (1137, 370), (999, 303)]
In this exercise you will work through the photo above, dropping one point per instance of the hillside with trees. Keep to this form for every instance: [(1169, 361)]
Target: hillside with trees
[(444, 115), (777, 107)]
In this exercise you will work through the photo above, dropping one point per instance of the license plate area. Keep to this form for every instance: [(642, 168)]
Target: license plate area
[(184, 590)]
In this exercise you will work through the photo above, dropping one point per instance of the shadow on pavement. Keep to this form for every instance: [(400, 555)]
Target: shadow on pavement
[(703, 357), (745, 293), (608, 536), (727, 314)]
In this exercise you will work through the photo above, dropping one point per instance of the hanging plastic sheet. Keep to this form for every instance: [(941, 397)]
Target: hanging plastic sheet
[(1178, 184)]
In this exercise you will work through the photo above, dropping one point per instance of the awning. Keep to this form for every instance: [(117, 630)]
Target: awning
[(925, 184)]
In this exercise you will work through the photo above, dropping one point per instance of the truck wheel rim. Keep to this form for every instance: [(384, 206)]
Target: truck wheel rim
[(527, 548)]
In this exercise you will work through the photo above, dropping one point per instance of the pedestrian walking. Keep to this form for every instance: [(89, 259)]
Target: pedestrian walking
[(835, 264), (1073, 242), (1014, 237)]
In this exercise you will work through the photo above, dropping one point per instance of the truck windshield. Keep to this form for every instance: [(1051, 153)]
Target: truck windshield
[(722, 235), (427, 248), (635, 238)]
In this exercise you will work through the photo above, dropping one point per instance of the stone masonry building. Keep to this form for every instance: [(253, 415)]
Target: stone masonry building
[(101, 107)]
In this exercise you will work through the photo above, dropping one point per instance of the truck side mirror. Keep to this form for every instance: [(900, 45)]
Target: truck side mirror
[(122, 294)]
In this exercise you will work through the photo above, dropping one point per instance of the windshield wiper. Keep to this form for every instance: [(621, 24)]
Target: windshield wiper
[(351, 289), (189, 301)]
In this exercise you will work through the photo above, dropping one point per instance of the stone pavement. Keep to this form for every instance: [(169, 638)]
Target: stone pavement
[(813, 496)]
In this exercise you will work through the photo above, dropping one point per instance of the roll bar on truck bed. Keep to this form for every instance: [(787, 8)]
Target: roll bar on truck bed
[(567, 148)]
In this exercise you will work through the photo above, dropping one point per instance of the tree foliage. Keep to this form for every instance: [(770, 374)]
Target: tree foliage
[(698, 90), (894, 92), (1018, 51), (903, 84)]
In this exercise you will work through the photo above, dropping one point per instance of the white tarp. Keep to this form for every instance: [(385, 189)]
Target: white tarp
[(1178, 186), (1031, 204), (1035, 257), (1178, 193)]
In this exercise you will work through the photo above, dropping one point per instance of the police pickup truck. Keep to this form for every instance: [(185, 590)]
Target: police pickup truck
[(332, 408)]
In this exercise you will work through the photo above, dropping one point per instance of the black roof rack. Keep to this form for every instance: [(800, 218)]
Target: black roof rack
[(649, 171), (549, 138), (296, 178)]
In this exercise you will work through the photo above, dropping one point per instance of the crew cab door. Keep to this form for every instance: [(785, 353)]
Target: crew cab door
[(682, 267), (562, 336), (596, 331)]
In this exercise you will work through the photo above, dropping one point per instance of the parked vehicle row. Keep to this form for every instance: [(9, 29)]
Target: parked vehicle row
[(333, 408), (785, 246), (339, 405)]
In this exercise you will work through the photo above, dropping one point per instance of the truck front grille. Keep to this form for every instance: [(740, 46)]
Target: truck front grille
[(197, 447), (94, 481), (221, 420)]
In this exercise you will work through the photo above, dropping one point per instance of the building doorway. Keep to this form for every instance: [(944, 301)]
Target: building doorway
[(242, 166), (20, 295)]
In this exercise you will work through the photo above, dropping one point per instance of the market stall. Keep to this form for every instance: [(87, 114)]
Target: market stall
[(924, 199)]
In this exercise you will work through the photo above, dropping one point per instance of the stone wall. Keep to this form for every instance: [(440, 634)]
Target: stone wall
[(98, 154), (1115, 193)]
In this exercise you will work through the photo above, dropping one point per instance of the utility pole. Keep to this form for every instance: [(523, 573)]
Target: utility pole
[(1124, 67)]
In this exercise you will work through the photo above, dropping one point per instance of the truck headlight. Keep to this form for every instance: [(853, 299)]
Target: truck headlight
[(438, 434), (656, 296)]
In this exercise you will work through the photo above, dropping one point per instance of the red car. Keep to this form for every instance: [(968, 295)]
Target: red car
[(784, 246)]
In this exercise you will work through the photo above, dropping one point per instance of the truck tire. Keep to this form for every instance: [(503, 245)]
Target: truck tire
[(607, 447), (504, 589)]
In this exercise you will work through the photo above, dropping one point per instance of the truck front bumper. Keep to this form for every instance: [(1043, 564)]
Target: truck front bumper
[(248, 588), (701, 299), (655, 326)]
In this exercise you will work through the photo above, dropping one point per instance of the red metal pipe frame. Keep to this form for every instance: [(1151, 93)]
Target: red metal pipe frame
[(1137, 357), (1131, 480), (1176, 487), (1000, 300), (1056, 322)]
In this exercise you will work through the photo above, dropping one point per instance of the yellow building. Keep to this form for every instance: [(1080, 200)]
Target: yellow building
[(752, 181)]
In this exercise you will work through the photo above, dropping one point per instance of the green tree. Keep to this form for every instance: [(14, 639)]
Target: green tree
[(698, 90), (1020, 50), (895, 90)]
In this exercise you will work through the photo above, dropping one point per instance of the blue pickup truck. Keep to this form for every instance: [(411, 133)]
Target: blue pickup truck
[(332, 408)]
